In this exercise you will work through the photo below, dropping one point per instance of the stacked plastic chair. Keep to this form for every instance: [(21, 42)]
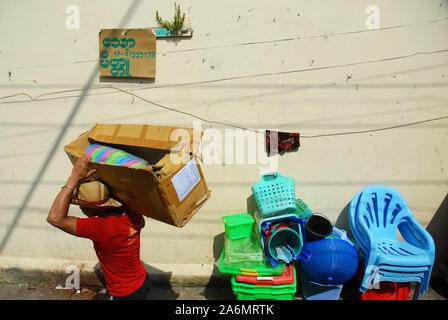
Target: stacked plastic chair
[(375, 214)]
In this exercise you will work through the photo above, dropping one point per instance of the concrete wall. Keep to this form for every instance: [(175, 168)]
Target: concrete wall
[(326, 75)]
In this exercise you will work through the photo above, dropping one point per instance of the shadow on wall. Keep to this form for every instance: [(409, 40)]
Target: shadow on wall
[(438, 227), (342, 221), (113, 80), (60, 136), (251, 205)]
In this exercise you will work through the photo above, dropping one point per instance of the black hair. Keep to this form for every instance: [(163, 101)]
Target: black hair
[(94, 212)]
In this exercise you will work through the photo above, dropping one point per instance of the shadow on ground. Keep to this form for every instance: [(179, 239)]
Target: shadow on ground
[(159, 284), (218, 280)]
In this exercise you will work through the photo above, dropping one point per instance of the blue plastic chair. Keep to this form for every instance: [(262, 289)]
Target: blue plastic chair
[(385, 266), (374, 215), (359, 239), (413, 273), (389, 272)]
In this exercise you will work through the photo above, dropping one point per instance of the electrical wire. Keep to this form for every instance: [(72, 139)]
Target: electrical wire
[(36, 98), (238, 126), (306, 37), (247, 43), (263, 131)]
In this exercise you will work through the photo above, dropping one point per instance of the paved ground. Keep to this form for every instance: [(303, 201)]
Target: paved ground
[(221, 291), (10, 291)]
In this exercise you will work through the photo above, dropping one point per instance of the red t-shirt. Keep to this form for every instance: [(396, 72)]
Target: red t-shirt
[(116, 240)]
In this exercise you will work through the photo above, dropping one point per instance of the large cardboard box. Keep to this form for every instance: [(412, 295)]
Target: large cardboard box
[(167, 190)]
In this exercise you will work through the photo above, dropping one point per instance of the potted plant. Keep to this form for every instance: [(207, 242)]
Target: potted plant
[(175, 27)]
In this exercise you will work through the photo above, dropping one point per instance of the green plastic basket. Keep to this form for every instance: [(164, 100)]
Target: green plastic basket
[(238, 226), (250, 268), (246, 291), (303, 210)]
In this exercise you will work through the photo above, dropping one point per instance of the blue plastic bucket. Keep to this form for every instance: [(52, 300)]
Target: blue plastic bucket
[(282, 235)]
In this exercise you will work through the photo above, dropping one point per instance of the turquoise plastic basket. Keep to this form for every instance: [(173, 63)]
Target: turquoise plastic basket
[(275, 195)]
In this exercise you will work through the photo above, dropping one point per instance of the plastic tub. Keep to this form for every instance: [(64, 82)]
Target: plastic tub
[(243, 251), (245, 291), (388, 291), (238, 226), (316, 291), (287, 277), (247, 267)]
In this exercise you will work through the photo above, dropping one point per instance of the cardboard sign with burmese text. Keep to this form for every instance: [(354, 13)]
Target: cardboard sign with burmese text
[(127, 53)]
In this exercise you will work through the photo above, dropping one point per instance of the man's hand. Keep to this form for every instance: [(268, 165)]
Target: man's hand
[(58, 215), (80, 171)]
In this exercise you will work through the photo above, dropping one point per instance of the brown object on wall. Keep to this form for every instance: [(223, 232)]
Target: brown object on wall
[(129, 53)]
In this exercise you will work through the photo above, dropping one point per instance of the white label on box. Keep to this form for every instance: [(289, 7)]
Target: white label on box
[(186, 179)]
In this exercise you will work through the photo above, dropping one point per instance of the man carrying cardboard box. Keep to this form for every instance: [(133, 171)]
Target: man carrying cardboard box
[(115, 231)]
